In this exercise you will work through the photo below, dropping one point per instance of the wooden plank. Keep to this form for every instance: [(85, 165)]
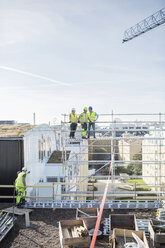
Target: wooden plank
[(83, 213), (90, 222), (66, 233), (61, 236), (70, 223), (90, 184), (74, 232), (157, 238), (17, 211)]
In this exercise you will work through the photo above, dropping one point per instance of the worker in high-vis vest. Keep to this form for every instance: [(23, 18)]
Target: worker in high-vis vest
[(73, 120), (92, 117), (20, 187), (83, 119)]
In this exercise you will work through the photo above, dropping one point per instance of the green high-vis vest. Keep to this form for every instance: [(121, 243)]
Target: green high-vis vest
[(84, 117), (73, 118), (19, 180), (92, 116)]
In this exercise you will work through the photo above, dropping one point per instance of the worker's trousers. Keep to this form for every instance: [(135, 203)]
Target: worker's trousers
[(91, 124), (84, 129), (73, 127), (21, 193)]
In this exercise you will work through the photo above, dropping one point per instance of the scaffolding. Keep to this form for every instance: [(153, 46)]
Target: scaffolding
[(121, 133), (134, 139)]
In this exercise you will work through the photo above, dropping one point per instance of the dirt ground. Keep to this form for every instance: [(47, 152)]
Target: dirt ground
[(43, 232)]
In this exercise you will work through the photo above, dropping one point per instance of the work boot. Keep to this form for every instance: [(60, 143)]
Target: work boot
[(18, 205)]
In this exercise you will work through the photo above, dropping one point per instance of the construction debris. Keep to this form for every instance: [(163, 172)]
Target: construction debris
[(73, 233)]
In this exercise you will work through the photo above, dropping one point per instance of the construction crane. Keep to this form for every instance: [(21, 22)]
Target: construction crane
[(145, 25)]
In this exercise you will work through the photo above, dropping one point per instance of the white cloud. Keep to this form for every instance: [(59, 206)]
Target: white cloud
[(6, 68)]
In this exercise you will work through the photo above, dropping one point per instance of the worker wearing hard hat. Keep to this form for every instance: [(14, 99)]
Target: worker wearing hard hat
[(20, 186), (83, 119), (92, 117), (73, 120)]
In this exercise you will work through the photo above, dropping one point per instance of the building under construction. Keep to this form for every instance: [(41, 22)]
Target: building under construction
[(125, 161), (106, 191)]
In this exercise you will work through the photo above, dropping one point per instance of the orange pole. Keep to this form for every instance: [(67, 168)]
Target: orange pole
[(101, 207)]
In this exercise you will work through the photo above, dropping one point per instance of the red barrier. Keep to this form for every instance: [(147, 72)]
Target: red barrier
[(101, 207)]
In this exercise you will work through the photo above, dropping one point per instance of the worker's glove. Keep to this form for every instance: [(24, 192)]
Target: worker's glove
[(78, 121), (69, 121)]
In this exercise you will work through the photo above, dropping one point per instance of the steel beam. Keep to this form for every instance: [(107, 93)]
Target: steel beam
[(143, 204), (145, 25)]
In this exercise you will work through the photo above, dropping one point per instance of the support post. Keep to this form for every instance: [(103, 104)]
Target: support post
[(53, 191), (27, 219), (135, 190)]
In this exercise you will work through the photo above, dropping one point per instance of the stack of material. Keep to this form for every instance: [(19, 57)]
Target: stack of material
[(78, 231), (73, 233), (6, 224)]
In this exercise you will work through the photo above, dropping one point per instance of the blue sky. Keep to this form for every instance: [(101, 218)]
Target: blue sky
[(78, 45)]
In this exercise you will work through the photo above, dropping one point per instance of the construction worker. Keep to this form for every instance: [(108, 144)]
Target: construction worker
[(20, 187), (92, 117), (83, 119), (73, 120)]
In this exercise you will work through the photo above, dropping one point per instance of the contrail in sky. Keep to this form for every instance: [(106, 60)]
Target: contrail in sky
[(6, 68)]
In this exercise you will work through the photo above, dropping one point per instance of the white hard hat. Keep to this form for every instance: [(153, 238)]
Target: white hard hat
[(24, 169), (73, 109)]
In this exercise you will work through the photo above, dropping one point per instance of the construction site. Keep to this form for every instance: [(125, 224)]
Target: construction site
[(103, 187), (87, 176)]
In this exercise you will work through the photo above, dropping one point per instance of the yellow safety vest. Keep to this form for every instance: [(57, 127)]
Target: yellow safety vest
[(84, 117), (73, 118), (19, 179), (92, 116)]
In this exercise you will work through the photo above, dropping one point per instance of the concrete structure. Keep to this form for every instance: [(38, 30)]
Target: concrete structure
[(128, 148), (154, 150)]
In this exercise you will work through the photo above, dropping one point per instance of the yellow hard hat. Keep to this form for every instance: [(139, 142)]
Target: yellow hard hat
[(85, 108)]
